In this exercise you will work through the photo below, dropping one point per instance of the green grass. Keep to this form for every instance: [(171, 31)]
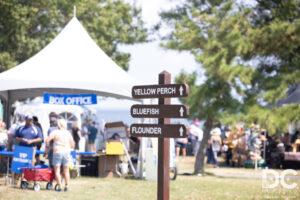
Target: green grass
[(184, 187)]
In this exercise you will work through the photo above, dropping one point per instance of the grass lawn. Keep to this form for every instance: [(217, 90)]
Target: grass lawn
[(184, 187)]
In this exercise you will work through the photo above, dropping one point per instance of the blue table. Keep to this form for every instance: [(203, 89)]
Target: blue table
[(39, 152), (80, 153), (8, 154), (84, 153)]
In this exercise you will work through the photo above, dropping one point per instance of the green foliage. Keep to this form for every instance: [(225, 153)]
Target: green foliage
[(275, 40), (216, 37), (27, 26), (251, 56)]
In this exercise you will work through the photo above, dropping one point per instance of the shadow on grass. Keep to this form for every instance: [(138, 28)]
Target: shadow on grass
[(131, 177), (197, 174)]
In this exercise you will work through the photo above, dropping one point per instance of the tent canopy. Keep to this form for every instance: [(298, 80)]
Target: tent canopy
[(293, 96), (71, 63)]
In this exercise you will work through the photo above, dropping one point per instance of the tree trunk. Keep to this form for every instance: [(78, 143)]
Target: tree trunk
[(199, 164)]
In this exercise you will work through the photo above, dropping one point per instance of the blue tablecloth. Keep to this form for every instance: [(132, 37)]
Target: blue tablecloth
[(7, 153), (84, 153), (10, 153)]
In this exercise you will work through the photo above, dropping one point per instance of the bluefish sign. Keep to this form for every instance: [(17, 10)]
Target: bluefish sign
[(23, 157), (70, 99)]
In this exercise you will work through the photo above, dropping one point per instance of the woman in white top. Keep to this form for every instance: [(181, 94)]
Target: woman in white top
[(63, 143)]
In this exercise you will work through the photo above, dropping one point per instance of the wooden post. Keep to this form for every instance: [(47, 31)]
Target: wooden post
[(163, 147)]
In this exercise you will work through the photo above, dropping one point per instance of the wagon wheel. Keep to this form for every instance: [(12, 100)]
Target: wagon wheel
[(173, 173), (49, 186), (24, 185), (56, 187), (37, 187)]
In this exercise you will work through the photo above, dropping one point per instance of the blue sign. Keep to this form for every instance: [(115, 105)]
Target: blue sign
[(73, 155), (23, 157), (70, 99)]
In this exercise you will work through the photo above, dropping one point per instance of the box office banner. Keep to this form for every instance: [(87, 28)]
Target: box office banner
[(70, 99)]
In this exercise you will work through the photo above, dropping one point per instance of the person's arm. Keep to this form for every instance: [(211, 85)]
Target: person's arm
[(36, 140), (50, 137), (79, 134), (220, 141), (71, 141), (21, 139)]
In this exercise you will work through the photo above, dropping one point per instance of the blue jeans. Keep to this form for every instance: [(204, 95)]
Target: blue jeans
[(50, 158), (215, 160), (62, 159)]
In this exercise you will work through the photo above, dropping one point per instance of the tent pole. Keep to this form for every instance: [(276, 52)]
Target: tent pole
[(7, 110), (74, 11)]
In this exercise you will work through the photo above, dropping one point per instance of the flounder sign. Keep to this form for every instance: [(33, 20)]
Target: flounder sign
[(70, 99)]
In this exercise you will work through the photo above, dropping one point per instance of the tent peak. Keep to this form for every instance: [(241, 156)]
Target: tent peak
[(74, 11)]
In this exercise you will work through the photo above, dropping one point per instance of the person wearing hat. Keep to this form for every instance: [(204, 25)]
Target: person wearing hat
[(216, 144), (29, 134), (53, 126)]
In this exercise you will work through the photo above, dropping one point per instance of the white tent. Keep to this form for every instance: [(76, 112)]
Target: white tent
[(71, 63)]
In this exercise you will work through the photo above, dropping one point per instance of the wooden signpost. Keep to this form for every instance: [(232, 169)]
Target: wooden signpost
[(159, 111), (158, 130), (160, 91), (163, 130)]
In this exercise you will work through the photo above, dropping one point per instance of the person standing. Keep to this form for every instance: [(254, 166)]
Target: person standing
[(29, 135), (12, 132), (196, 135), (76, 135), (53, 126), (181, 143), (228, 142), (3, 135), (39, 145), (63, 143), (37, 123), (84, 134), (216, 144), (92, 133)]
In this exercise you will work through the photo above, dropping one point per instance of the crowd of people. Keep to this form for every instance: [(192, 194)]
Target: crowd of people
[(239, 146), (28, 132), (32, 133)]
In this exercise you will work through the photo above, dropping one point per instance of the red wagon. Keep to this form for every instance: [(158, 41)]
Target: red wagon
[(37, 174)]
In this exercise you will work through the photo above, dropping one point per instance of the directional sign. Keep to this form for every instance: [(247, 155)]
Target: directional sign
[(158, 130), (160, 91), (160, 111)]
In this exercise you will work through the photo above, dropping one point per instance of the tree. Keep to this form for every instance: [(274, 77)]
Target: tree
[(275, 46), (27, 26), (250, 54), (214, 33)]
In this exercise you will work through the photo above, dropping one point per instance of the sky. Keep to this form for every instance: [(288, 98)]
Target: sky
[(148, 59)]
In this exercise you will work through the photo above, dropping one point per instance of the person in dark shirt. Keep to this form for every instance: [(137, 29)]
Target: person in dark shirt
[(29, 134), (76, 134), (92, 133), (53, 126), (36, 123)]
